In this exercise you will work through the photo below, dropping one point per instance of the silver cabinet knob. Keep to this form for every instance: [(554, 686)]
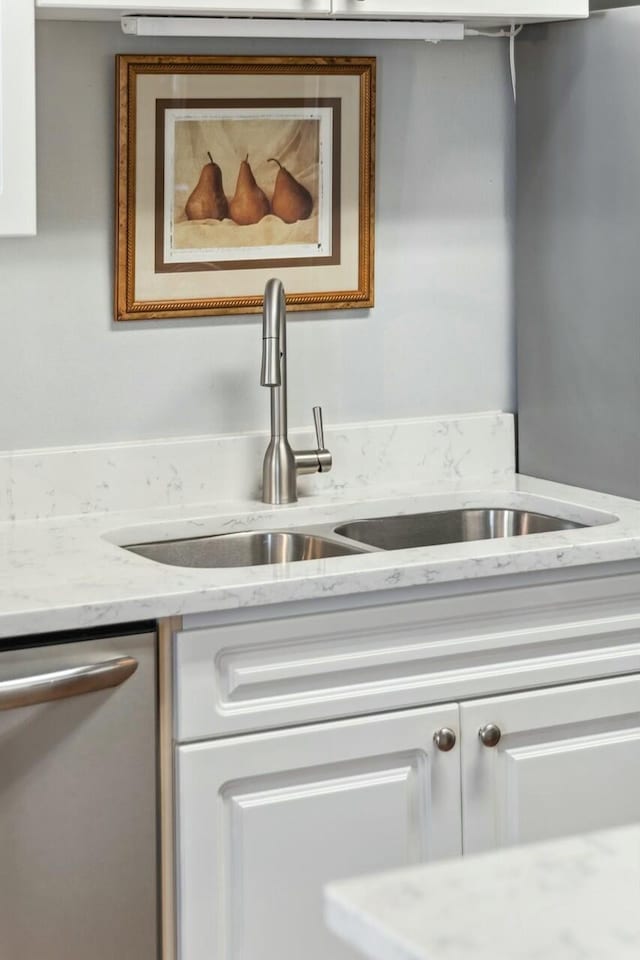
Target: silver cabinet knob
[(490, 734), (444, 739)]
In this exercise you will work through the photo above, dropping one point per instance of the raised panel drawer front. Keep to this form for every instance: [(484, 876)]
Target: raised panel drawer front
[(287, 670), (464, 9), (568, 761), (266, 820)]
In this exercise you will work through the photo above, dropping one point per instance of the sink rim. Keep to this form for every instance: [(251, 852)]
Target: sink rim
[(295, 533), (339, 547), (565, 525), (328, 532)]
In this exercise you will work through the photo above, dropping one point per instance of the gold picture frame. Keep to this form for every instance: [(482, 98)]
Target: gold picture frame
[(296, 135)]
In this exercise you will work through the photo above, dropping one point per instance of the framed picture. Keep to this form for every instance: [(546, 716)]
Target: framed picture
[(232, 170)]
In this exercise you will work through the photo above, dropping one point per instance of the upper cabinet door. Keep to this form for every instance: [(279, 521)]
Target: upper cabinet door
[(17, 119), (266, 820), (226, 8), (568, 761), (516, 10), (469, 10)]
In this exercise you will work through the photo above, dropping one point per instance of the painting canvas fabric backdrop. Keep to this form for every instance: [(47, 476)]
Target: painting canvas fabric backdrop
[(294, 143)]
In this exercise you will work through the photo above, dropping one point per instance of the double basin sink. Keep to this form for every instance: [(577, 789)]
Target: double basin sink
[(255, 548)]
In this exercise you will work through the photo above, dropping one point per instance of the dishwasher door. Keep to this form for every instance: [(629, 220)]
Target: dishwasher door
[(78, 819)]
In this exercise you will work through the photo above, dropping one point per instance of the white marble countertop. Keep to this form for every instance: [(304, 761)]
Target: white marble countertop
[(573, 899), (64, 573)]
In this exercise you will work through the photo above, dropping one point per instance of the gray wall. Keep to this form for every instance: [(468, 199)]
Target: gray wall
[(440, 339), (578, 252)]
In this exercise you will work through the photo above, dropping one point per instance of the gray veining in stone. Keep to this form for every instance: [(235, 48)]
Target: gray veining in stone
[(435, 451)]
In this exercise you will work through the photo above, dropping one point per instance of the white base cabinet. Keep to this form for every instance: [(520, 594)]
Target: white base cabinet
[(568, 761), (267, 820), (305, 746)]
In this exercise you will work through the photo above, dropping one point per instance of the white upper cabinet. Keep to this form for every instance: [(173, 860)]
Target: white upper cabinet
[(498, 11), (17, 119), (516, 10), (226, 8)]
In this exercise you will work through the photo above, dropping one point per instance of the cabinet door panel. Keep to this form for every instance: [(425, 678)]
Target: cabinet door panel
[(17, 119), (266, 820), (568, 762)]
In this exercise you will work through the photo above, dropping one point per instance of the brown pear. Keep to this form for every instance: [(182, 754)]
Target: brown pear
[(208, 201), (249, 203), (291, 201)]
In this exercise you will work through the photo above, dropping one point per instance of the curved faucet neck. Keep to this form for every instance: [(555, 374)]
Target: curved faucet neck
[(274, 311)]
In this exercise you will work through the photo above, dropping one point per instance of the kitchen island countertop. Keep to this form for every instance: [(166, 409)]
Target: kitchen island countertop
[(570, 899)]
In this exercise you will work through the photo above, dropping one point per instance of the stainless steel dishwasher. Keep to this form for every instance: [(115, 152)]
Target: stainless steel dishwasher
[(78, 811)]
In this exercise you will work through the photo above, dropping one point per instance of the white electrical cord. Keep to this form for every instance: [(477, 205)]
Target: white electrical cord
[(511, 33)]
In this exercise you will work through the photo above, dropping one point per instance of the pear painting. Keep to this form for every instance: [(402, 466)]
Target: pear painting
[(207, 200), (249, 204), (278, 204), (291, 201)]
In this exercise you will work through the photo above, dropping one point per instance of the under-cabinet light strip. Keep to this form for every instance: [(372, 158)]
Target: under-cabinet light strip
[(430, 32)]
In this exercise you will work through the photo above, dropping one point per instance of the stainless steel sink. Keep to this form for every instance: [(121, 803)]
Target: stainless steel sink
[(450, 526), (243, 549), (255, 548)]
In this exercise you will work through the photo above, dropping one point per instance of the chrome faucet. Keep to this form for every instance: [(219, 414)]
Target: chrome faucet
[(282, 464)]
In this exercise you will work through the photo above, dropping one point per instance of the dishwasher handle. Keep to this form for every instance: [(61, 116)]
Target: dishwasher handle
[(68, 682)]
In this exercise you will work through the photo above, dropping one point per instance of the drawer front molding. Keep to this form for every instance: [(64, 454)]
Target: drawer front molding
[(261, 675)]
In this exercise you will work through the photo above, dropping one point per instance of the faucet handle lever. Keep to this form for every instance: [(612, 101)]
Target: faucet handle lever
[(324, 460), (317, 419)]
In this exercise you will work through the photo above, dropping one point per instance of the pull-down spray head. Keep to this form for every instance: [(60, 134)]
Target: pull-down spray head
[(273, 317)]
